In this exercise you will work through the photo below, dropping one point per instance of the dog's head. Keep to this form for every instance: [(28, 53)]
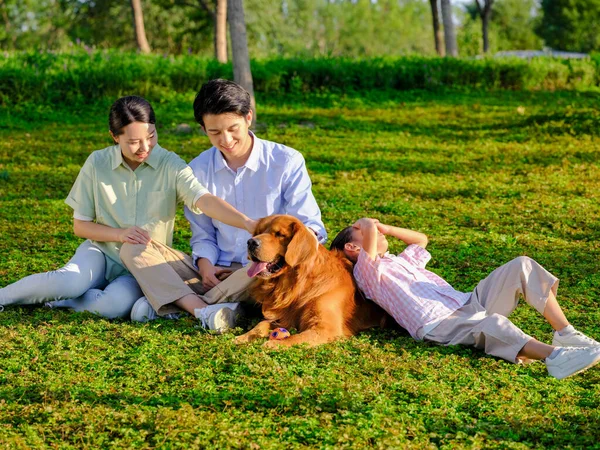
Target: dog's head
[(280, 242)]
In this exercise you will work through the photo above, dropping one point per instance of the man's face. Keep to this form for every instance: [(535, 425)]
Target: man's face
[(136, 142), (229, 133)]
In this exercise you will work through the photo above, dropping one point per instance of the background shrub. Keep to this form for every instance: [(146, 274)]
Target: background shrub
[(81, 76)]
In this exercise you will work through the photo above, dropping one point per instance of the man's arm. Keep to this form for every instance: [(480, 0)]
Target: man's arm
[(299, 201), (205, 250)]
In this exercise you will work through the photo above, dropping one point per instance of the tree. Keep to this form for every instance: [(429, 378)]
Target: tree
[(221, 31), (449, 33), (242, 74), (437, 32), (571, 25), (138, 25), (219, 18), (485, 12), (514, 25)]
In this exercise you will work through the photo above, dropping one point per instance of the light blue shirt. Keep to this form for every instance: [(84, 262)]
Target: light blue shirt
[(274, 180)]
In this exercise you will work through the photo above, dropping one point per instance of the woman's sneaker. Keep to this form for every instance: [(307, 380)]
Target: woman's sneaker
[(572, 360), (573, 338), (143, 311), (220, 317)]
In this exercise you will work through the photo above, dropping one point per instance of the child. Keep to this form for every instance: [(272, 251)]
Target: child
[(430, 309)]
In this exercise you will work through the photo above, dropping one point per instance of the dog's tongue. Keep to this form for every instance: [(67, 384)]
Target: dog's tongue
[(256, 268)]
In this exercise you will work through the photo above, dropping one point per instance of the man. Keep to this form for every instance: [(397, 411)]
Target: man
[(257, 177)]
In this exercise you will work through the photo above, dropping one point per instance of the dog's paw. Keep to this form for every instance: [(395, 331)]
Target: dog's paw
[(243, 339), (272, 344)]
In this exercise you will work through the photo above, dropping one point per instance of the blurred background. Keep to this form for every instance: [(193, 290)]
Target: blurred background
[(305, 28)]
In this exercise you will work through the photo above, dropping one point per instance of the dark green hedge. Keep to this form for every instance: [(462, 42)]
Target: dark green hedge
[(82, 76)]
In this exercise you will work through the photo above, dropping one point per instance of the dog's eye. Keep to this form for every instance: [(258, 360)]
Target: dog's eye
[(278, 234)]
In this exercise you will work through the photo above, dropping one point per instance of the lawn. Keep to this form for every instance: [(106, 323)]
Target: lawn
[(487, 176)]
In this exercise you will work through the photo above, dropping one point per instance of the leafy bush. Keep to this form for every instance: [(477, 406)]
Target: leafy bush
[(80, 77)]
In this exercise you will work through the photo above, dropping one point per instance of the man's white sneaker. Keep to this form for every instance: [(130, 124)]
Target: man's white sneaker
[(573, 339), (220, 317), (143, 311), (572, 360)]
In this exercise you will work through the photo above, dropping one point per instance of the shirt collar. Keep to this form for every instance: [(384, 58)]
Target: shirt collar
[(253, 161), (153, 160)]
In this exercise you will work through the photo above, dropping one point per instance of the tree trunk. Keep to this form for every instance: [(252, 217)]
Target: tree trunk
[(485, 13), (242, 74), (437, 32), (138, 26), (221, 31), (449, 34)]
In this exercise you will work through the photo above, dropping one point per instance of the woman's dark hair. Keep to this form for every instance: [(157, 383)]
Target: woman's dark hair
[(220, 97), (342, 238), (127, 110)]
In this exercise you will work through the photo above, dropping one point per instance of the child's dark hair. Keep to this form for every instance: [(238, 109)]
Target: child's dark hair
[(221, 96), (342, 238), (127, 110)]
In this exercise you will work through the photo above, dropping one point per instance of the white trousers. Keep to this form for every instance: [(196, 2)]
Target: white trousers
[(79, 285)]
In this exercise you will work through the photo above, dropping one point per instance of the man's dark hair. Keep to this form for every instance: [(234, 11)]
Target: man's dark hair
[(342, 238), (127, 110), (220, 97)]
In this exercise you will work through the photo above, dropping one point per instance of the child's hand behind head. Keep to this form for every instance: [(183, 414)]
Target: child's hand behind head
[(365, 223)]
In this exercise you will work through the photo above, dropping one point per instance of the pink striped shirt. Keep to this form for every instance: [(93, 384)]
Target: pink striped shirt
[(411, 294)]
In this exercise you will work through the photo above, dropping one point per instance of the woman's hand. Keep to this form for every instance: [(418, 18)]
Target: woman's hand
[(250, 225), (134, 235)]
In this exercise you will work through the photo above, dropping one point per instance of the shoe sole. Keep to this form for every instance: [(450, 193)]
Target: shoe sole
[(226, 317), (595, 361), (556, 343)]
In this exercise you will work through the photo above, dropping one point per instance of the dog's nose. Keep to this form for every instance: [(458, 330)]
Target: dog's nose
[(253, 244)]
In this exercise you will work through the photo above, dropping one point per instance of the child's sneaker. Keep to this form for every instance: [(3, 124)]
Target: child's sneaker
[(219, 317), (572, 360), (573, 338)]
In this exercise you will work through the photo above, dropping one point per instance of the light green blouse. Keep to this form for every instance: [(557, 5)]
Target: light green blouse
[(110, 193)]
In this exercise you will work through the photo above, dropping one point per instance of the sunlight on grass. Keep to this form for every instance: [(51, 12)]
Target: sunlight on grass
[(486, 176)]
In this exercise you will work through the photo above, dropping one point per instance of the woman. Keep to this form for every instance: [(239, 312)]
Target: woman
[(126, 193)]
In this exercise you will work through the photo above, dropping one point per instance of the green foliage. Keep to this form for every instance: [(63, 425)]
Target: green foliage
[(572, 25), (80, 77), (487, 175), (512, 27)]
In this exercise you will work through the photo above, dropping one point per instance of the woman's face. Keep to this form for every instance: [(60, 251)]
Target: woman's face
[(136, 141)]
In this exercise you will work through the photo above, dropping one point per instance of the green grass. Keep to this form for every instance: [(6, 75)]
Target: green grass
[(487, 176)]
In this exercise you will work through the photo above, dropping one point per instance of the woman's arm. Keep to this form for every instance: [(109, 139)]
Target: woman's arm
[(219, 209), (104, 233)]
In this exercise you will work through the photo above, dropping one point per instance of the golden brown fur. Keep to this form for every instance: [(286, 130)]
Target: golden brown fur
[(313, 291)]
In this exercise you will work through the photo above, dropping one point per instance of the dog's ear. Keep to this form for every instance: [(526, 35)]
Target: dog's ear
[(303, 247)]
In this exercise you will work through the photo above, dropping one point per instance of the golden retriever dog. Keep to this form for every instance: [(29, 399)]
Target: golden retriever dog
[(302, 285)]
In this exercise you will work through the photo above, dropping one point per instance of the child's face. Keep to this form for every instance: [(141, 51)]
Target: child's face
[(357, 240)]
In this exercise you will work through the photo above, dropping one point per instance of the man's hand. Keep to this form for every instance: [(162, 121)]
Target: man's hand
[(134, 235), (208, 273)]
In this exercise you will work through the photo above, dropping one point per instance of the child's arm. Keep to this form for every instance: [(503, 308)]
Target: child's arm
[(368, 228), (407, 236)]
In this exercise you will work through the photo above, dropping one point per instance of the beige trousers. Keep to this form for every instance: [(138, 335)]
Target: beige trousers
[(482, 322), (165, 275)]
